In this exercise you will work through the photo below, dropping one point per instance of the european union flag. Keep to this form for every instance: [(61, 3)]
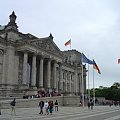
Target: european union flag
[(86, 60)]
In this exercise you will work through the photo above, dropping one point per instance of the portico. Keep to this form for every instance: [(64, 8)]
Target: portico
[(38, 71)]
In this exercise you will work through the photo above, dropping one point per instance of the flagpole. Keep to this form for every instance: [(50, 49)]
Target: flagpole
[(70, 44), (82, 87), (88, 85), (93, 88), (85, 60)]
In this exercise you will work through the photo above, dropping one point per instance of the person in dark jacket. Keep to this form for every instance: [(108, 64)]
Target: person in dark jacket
[(88, 105), (41, 105), (56, 105), (91, 104), (12, 104)]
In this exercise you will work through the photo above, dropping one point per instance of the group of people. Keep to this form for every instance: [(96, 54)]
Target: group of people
[(42, 93), (90, 105), (47, 107)]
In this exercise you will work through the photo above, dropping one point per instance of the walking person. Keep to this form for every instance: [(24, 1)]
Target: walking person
[(56, 105), (41, 105), (12, 104), (50, 107), (46, 107), (91, 104), (88, 105), (80, 104)]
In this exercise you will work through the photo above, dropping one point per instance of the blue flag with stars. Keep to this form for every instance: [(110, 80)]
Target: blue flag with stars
[(86, 60)]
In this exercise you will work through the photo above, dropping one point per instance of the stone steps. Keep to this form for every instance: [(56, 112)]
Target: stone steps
[(26, 103)]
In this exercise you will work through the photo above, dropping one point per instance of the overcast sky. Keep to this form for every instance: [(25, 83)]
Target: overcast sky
[(92, 25)]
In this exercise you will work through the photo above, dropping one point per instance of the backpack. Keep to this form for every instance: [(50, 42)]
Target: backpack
[(12, 103), (56, 103)]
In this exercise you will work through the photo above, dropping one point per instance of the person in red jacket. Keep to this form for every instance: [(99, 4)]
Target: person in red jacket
[(50, 107)]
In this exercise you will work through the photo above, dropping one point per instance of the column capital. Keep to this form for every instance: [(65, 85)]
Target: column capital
[(53, 60), (42, 56), (35, 54), (49, 59), (60, 63)]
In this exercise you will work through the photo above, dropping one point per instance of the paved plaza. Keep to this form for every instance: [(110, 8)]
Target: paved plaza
[(64, 113)]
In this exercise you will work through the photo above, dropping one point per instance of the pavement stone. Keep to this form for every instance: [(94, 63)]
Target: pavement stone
[(64, 113)]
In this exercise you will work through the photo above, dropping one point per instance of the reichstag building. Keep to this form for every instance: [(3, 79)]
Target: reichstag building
[(29, 63)]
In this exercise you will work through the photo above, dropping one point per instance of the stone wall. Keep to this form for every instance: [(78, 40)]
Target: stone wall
[(25, 103)]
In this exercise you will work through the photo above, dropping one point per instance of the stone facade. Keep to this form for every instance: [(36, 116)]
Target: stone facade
[(31, 63)]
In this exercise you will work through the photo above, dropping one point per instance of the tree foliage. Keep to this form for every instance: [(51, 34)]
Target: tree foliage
[(110, 93)]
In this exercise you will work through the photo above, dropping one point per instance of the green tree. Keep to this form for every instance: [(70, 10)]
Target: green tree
[(110, 93)]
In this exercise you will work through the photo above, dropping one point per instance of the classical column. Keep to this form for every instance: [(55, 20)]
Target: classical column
[(84, 79), (25, 60), (48, 73), (41, 73), (4, 73), (33, 80), (70, 83), (60, 78), (75, 81), (16, 68), (65, 81), (54, 75), (10, 65), (81, 83)]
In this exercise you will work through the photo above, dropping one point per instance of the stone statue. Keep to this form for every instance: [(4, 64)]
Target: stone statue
[(12, 18), (12, 25)]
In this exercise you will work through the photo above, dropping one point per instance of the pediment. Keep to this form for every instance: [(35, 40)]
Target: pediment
[(47, 44)]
